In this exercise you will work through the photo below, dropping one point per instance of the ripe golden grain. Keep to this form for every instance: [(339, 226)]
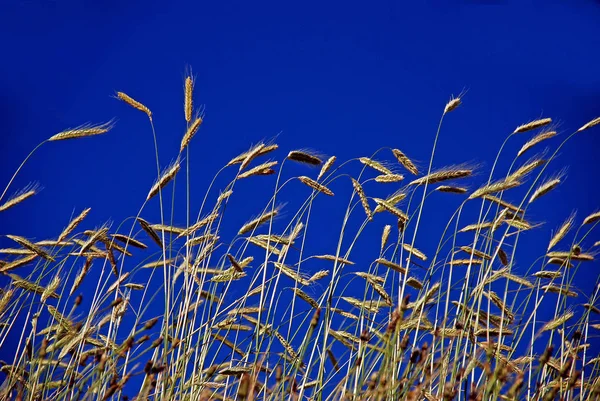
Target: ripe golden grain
[(83, 131), (561, 232), (375, 165), (450, 173), (315, 185), (20, 196), (590, 124), (532, 125), (165, 178), (363, 198), (189, 133), (405, 161), (188, 98), (326, 166), (134, 103), (535, 140), (304, 157)]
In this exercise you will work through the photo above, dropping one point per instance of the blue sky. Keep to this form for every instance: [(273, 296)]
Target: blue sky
[(343, 78)]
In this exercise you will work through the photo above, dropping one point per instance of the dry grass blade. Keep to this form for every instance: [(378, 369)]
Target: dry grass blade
[(446, 174), (405, 161), (31, 246), (363, 198), (83, 131), (561, 232), (134, 103), (535, 140), (165, 178), (315, 185), (19, 197), (532, 125), (304, 157), (189, 134)]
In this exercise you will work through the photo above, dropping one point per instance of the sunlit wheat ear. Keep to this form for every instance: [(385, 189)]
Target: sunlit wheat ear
[(387, 178), (391, 265), (253, 224), (532, 125), (451, 189), (134, 103), (188, 104), (31, 246), (559, 321), (405, 161), (414, 251), (452, 104), (561, 232), (198, 225), (253, 154), (326, 166), (592, 218), (83, 131), (363, 198), (315, 185), (549, 274), (20, 196), (593, 123), (189, 134), (73, 224), (18, 263), (385, 205), (129, 241), (392, 200), (387, 229), (26, 285), (546, 187), (165, 178), (261, 169), (445, 174), (304, 157), (148, 229), (260, 150), (375, 165), (494, 187), (535, 140)]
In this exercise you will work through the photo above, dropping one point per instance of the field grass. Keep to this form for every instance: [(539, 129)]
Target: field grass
[(203, 312)]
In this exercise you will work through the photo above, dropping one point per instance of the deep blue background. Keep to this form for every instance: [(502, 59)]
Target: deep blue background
[(344, 78)]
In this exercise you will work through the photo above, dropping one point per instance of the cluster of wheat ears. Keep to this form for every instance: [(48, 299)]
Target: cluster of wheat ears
[(179, 313)]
